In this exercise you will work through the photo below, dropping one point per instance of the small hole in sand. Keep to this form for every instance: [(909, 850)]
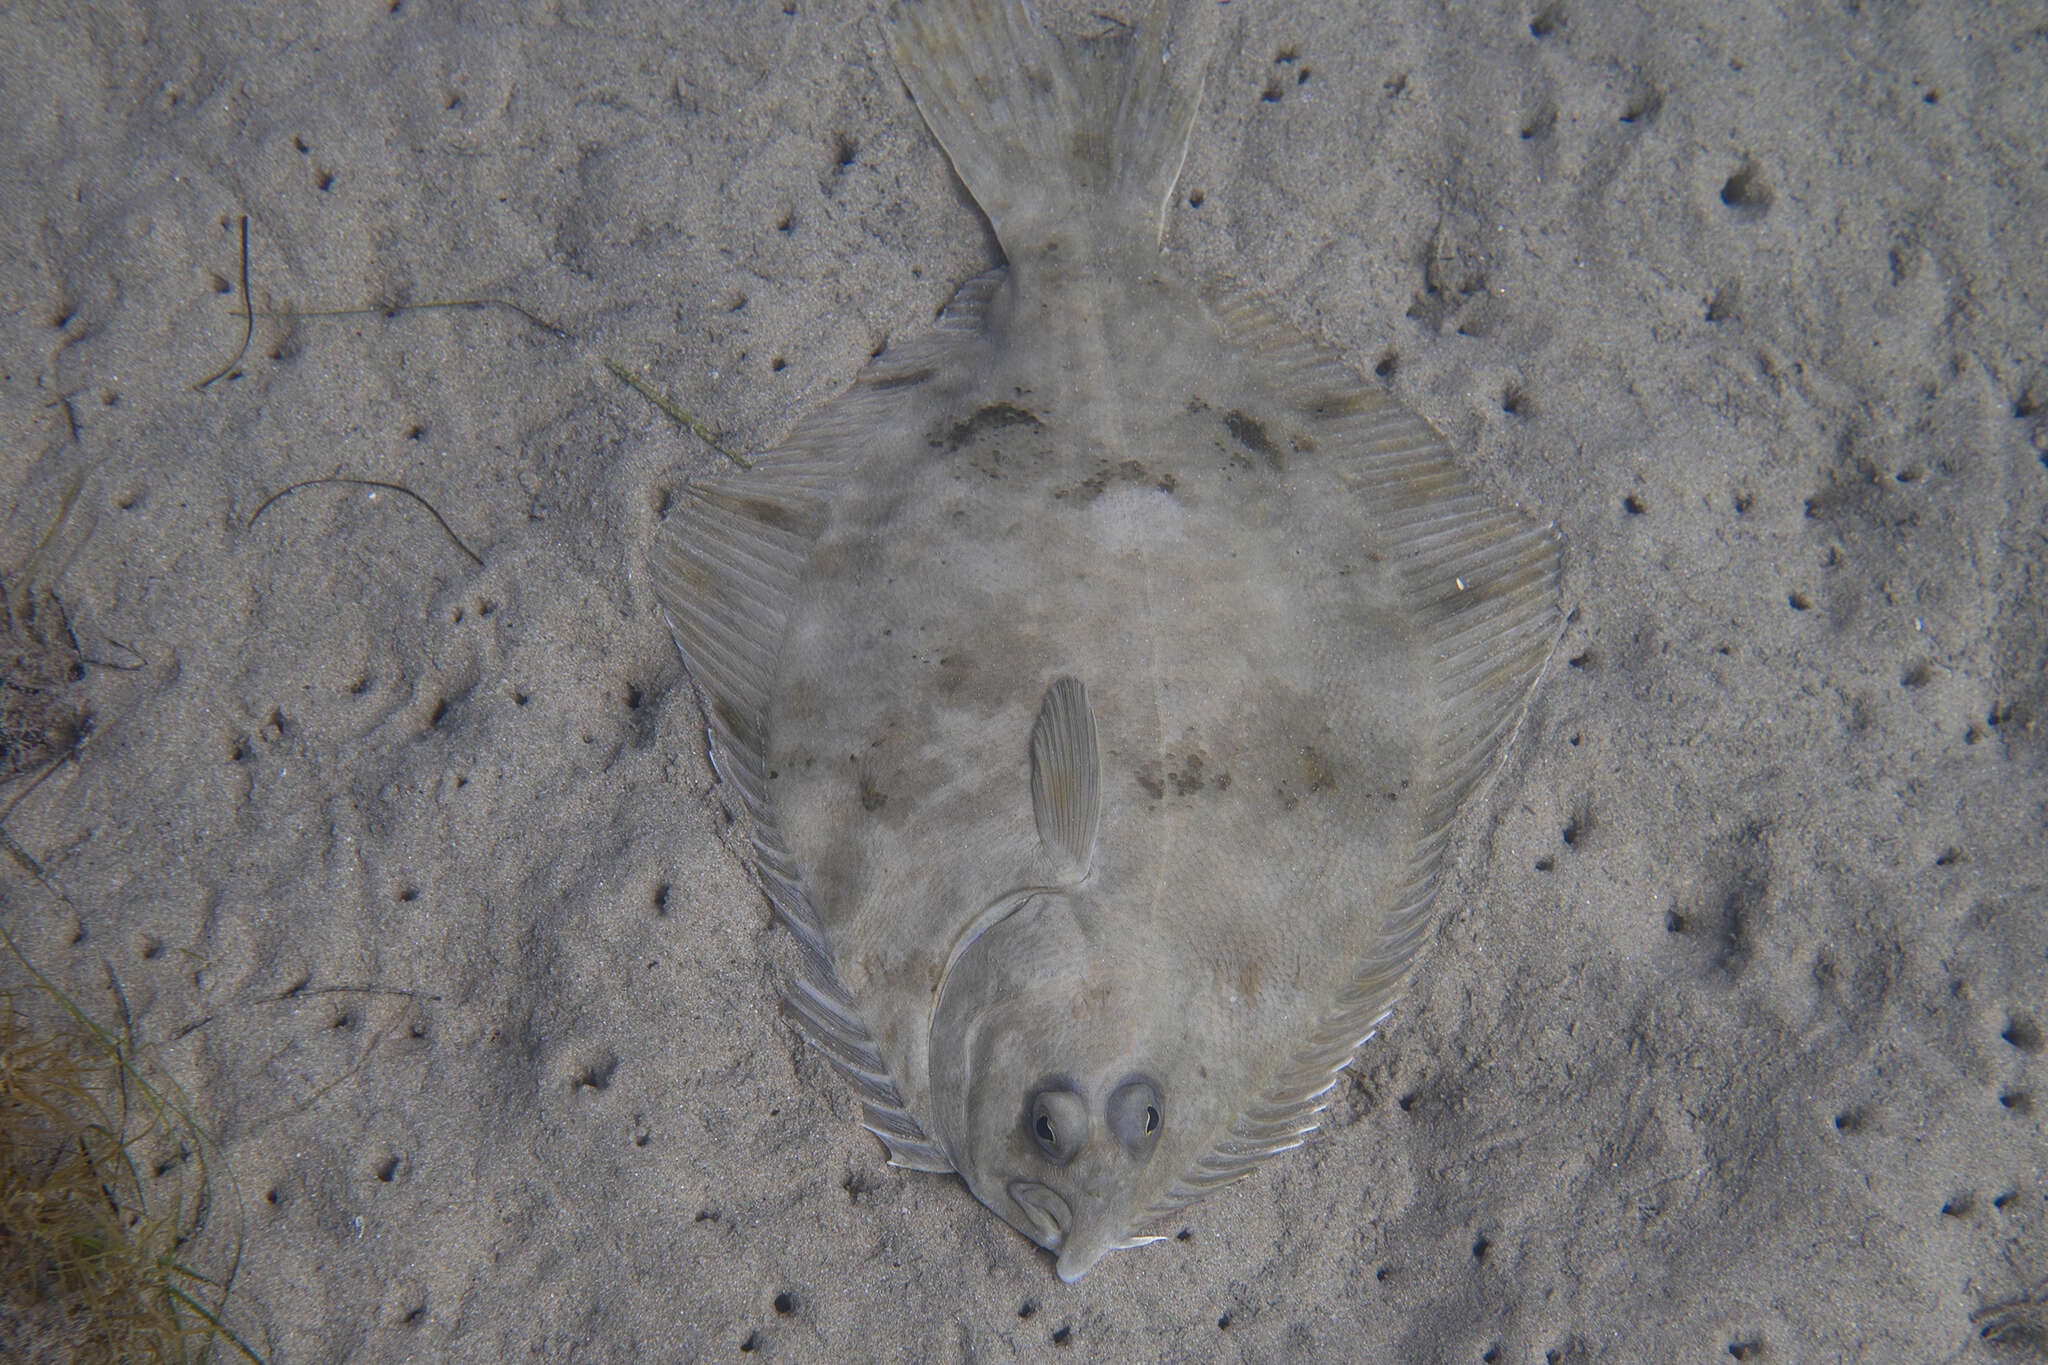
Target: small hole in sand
[(1746, 193)]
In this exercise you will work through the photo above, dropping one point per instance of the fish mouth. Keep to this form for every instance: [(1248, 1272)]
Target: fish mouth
[(1048, 1213)]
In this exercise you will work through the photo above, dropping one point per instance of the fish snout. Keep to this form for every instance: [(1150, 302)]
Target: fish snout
[(1082, 1248)]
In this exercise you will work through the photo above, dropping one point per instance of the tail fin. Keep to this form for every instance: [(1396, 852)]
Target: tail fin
[(1039, 128)]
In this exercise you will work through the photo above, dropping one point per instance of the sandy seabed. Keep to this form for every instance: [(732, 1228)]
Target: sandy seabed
[(400, 843)]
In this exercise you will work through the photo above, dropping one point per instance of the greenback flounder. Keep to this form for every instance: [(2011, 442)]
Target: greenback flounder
[(1101, 673)]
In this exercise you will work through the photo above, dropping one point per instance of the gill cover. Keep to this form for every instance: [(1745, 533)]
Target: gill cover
[(1022, 1035)]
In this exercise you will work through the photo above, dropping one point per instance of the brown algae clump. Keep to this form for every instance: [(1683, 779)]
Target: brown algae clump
[(105, 1193)]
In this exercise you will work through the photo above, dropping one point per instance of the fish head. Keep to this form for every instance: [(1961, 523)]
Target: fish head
[(1046, 1085)]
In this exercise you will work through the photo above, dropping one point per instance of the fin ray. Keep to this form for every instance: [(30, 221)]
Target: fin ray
[(1485, 582), (1066, 776), (1037, 127), (725, 565)]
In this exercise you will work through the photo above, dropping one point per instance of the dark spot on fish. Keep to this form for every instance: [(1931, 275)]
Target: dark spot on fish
[(1222, 782), (734, 722), (1090, 146), (1251, 434), (872, 798), (1128, 471), (1089, 488), (766, 511), (1345, 402), (1315, 773), (1196, 404), (902, 379), (991, 417), (1149, 778), (1189, 778)]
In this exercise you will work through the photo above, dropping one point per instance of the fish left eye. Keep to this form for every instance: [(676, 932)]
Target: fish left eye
[(1134, 1115)]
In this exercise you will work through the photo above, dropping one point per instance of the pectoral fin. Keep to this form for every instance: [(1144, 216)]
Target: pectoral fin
[(1066, 777)]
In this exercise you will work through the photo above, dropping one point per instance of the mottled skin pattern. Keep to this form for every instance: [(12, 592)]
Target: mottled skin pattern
[(1300, 633), (1102, 489)]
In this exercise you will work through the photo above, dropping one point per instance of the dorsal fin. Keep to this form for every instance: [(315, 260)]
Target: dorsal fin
[(725, 565), (1066, 777)]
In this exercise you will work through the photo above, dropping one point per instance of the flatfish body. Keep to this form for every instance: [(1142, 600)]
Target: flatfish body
[(1101, 672)]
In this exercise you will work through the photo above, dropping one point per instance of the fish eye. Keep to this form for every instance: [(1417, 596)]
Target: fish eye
[(1134, 1116), (1058, 1123)]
